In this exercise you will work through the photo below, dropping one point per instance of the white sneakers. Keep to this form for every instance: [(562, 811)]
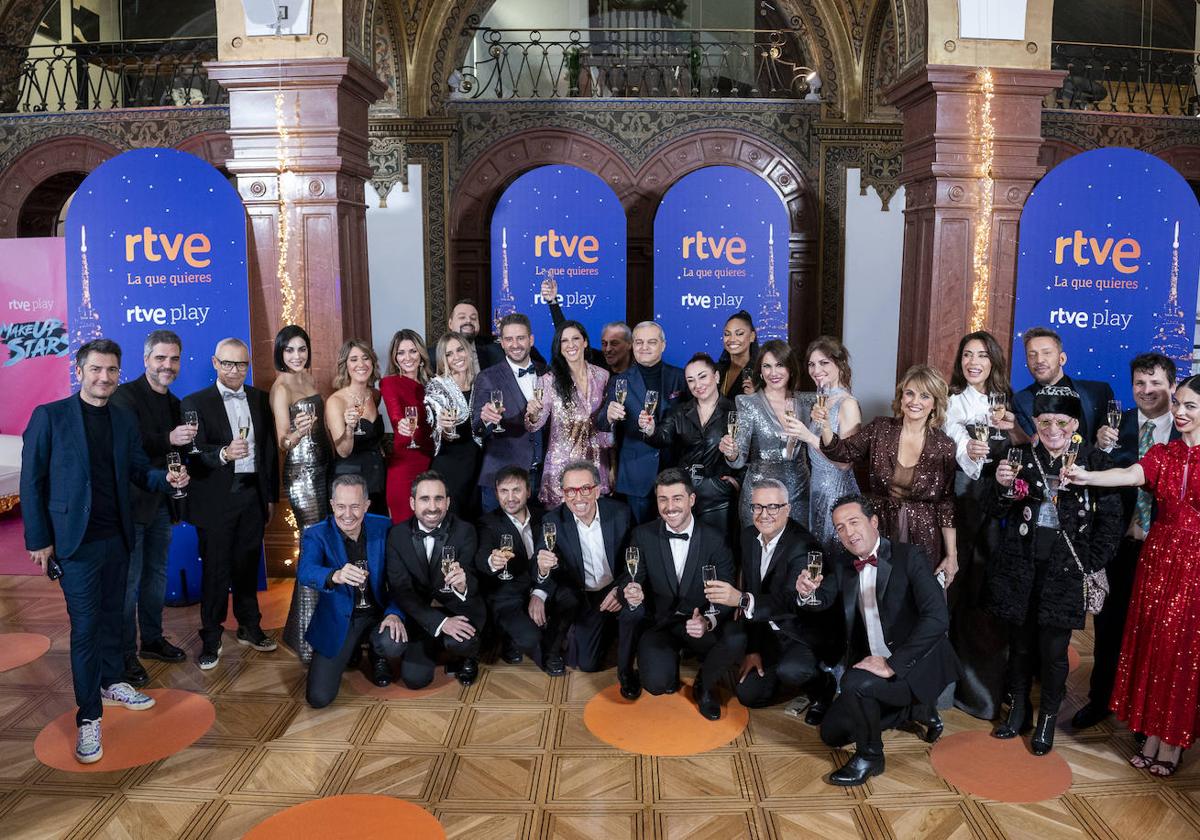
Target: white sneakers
[(123, 694), (87, 743), (88, 749)]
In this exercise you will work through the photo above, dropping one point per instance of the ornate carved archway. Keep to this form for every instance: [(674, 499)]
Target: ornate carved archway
[(62, 155)]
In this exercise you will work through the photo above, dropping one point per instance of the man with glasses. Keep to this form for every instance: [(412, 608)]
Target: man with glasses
[(784, 646), (235, 485), (575, 579)]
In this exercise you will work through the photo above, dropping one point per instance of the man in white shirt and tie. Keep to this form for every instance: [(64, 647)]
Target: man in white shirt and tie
[(898, 655)]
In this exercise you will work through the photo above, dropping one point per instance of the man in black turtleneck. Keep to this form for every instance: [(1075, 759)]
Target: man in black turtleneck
[(638, 462)]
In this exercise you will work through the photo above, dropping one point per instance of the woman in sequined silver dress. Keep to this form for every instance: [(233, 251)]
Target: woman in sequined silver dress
[(769, 429), (456, 454), (298, 409)]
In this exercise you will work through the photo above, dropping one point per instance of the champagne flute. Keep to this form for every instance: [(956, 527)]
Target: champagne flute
[(816, 562), (243, 429), (175, 466), (452, 432), (731, 424), (1070, 455), (1114, 414), (539, 391), (621, 390), (358, 407), (412, 415), (633, 557), (710, 576), (549, 534), (449, 558), (981, 431), (1014, 460), (651, 402), (822, 396), (308, 410), (506, 546), (496, 398), (191, 419), (360, 600), (998, 405)]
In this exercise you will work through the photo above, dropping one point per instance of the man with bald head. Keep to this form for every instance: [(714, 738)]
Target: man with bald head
[(235, 485)]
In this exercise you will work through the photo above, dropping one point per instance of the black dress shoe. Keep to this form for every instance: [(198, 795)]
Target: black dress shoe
[(135, 673), (163, 651), (631, 685), (1090, 715), (381, 673), (512, 654), (933, 725), (1043, 734), (468, 671), (355, 658), (857, 770), (1017, 722), (554, 666), (816, 712), (706, 701)]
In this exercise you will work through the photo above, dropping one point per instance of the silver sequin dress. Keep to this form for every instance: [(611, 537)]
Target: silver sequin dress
[(828, 482), (763, 452), (304, 478)]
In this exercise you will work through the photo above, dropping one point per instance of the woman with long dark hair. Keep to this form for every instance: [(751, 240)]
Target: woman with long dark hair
[(735, 365), (570, 395)]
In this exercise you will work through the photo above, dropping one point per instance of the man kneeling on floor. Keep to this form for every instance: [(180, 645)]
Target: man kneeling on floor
[(344, 558)]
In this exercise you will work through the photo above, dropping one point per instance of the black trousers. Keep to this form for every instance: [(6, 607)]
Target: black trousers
[(421, 656), (868, 704), (593, 630), (1030, 644), (230, 554), (93, 584), (511, 616), (660, 646), (325, 673), (787, 664), (1110, 623)]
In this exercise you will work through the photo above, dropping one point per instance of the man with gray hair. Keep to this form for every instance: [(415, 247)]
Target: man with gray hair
[(234, 490), (616, 344), (163, 431)]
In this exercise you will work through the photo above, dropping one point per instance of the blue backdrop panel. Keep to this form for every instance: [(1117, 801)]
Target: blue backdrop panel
[(563, 222), (720, 245), (156, 239), (1109, 258)]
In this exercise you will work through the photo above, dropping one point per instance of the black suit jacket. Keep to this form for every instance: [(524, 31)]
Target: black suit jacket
[(1126, 454), (775, 593), (668, 598), (208, 491), (1093, 397), (514, 444), (135, 395), (415, 580), (491, 527), (912, 613), (615, 521)]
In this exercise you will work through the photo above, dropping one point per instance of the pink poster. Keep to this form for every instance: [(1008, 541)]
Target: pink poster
[(34, 344)]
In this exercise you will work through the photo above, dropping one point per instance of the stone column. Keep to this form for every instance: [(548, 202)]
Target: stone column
[(940, 107)]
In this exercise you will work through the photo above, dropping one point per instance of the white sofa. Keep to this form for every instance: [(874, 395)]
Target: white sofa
[(10, 465)]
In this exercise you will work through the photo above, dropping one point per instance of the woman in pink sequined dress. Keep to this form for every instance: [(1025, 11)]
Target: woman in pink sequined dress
[(569, 395)]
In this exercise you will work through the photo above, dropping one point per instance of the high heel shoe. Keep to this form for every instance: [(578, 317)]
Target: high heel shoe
[(1017, 723), (1043, 735)]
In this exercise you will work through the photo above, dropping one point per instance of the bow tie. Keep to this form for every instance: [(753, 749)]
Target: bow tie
[(234, 395), (439, 531), (859, 564), (671, 535), (526, 370)]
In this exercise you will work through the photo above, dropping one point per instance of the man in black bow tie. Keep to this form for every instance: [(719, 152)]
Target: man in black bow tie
[(429, 560), (896, 620)]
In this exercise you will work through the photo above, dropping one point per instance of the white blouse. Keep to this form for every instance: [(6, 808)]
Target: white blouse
[(962, 410)]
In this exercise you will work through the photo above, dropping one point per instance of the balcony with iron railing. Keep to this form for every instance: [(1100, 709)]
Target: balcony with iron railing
[(1126, 80), (104, 75), (634, 62)]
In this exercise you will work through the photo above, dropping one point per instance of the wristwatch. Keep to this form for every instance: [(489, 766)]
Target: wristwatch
[(744, 603)]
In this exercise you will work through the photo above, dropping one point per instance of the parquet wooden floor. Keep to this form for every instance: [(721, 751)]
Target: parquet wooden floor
[(510, 758)]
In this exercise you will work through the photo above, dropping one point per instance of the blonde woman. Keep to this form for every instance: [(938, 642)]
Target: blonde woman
[(456, 454), (354, 422), (403, 392)]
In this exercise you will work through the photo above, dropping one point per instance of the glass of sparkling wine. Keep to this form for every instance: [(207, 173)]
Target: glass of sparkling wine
[(1014, 460), (1070, 455), (360, 600), (452, 432), (191, 419), (822, 396), (358, 407), (539, 391), (621, 390), (1114, 414), (449, 558), (506, 547), (633, 557), (497, 400), (549, 534), (244, 429), (175, 466), (710, 576), (998, 405), (981, 431), (651, 402), (731, 424), (413, 416), (816, 563)]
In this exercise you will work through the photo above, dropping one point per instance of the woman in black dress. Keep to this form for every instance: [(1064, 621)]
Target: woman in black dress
[(456, 454), (355, 422), (735, 366)]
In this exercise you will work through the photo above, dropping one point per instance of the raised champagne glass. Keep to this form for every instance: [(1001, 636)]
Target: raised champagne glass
[(816, 562), (191, 419), (496, 398), (822, 396), (1114, 414), (539, 392), (175, 467), (621, 390), (1014, 460), (710, 576), (413, 416), (731, 424), (360, 597), (452, 432), (633, 558), (998, 405), (358, 408), (981, 430), (449, 558), (1070, 455), (506, 547), (549, 534)]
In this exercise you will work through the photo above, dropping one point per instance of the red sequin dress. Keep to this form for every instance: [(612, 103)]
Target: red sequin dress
[(1158, 679)]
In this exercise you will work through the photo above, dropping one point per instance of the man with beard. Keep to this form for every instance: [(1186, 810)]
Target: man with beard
[(464, 320), (1045, 358)]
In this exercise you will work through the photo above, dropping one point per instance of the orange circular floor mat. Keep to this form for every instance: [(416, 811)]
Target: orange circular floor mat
[(363, 687), (177, 719), (669, 724), (1006, 771), (17, 649), (352, 817)]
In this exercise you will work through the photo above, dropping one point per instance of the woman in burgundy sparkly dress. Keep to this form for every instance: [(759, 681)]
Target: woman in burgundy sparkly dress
[(1158, 678)]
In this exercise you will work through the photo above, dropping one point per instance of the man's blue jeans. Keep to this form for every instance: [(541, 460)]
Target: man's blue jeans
[(93, 583), (146, 586)]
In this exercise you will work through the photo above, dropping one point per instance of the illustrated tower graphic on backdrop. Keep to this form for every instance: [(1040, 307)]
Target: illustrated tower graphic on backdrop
[(772, 320), (1172, 338), (87, 320), (505, 303)]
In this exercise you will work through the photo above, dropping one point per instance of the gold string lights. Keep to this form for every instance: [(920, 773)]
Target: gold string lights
[(981, 257), (292, 310)]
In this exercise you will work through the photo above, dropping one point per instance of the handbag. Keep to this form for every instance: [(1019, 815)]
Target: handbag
[(1095, 584)]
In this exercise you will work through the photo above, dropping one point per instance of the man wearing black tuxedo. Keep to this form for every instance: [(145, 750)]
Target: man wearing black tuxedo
[(442, 610), (1141, 427), (784, 646), (896, 621), (235, 485), (504, 575), (574, 583), (667, 595)]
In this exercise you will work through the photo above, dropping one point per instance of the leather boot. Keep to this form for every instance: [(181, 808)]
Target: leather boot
[(1043, 735), (1017, 722)]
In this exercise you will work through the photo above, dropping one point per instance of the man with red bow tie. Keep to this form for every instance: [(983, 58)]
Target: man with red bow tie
[(898, 657)]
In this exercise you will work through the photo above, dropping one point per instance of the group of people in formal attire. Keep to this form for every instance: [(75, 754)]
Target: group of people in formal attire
[(868, 571)]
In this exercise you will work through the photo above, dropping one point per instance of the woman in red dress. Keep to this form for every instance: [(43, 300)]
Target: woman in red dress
[(403, 392), (1158, 678)]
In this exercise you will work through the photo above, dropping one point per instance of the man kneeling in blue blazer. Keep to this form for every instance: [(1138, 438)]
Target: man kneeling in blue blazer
[(343, 558)]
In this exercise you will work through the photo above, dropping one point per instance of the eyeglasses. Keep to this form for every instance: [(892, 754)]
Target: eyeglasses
[(770, 510), (227, 365), (1046, 424), (575, 492)]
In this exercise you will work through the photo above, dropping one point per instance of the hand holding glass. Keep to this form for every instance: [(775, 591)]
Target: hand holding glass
[(175, 466), (192, 419), (710, 576), (449, 559), (633, 557), (506, 546), (815, 565), (413, 416)]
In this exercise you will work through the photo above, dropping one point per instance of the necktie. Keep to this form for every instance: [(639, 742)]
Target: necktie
[(235, 395), (1142, 508), (671, 535), (860, 563), (525, 370)]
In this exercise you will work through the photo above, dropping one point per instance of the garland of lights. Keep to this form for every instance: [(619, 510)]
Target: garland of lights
[(292, 310), (981, 258)]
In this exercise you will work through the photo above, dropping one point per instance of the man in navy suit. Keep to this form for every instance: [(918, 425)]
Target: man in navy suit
[(1153, 376), (1045, 358), (638, 462), (80, 457), (344, 558), (505, 440)]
